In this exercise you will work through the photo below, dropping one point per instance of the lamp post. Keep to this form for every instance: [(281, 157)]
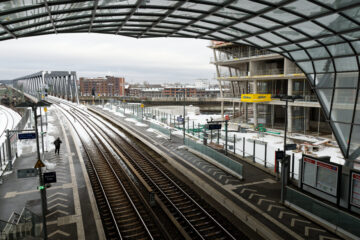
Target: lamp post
[(184, 117), (42, 188), (284, 162)]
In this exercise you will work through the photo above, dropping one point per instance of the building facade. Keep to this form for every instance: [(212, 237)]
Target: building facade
[(247, 70), (108, 86)]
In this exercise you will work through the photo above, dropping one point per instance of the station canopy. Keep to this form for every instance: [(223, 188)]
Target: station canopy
[(320, 36)]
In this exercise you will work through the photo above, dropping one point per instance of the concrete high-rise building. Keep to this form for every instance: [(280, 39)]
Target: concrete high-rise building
[(108, 86), (248, 70)]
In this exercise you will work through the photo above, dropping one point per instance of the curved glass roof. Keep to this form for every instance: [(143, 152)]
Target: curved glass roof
[(320, 36)]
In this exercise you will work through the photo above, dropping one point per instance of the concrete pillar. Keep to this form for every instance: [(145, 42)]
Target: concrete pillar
[(307, 119), (289, 110)]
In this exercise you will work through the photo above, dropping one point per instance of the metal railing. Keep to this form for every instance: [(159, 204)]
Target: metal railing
[(28, 224), (8, 153)]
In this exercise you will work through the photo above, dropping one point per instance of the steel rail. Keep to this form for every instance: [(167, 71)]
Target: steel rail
[(91, 127)]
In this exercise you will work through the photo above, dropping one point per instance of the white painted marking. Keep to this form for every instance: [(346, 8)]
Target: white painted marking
[(274, 206), (247, 189), (57, 211), (58, 232), (55, 199), (58, 205), (265, 200), (79, 224), (321, 237), (307, 229), (294, 220), (282, 213), (255, 194)]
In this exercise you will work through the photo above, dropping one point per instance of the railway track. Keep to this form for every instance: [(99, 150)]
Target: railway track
[(191, 219), (123, 214)]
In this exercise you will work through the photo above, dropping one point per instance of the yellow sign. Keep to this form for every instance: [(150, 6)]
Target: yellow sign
[(255, 98), (45, 109), (39, 164), (142, 105), (123, 100)]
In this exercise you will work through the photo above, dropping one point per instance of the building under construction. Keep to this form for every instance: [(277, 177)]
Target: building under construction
[(243, 69)]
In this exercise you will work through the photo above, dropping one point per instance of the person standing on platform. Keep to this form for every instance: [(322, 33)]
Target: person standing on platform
[(57, 143)]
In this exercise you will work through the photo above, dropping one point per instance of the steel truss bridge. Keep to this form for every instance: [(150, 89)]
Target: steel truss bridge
[(56, 83)]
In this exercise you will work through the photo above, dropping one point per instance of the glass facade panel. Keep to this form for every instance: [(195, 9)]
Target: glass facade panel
[(355, 139), (343, 105), (357, 113), (325, 96), (342, 131), (337, 23), (281, 15), (311, 28), (306, 67), (346, 64), (322, 66), (325, 80), (305, 7), (340, 49), (347, 80), (299, 55), (319, 52)]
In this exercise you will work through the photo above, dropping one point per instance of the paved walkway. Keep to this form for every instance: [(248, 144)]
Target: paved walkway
[(257, 197), (72, 211)]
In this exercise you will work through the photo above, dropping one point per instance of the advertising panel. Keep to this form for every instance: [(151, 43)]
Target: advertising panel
[(320, 175), (355, 189)]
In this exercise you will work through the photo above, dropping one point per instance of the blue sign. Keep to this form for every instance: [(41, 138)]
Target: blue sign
[(30, 135), (180, 119)]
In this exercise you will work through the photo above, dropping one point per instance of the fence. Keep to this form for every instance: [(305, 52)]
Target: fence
[(220, 158), (8, 148), (332, 215), (28, 224), (257, 151)]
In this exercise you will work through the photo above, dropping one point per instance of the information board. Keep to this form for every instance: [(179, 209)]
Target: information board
[(355, 189), (30, 135), (327, 177), (320, 175), (309, 172)]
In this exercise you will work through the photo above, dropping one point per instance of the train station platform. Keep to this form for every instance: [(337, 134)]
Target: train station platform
[(253, 200), (72, 210)]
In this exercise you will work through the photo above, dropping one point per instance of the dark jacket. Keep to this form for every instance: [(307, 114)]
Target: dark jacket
[(57, 142)]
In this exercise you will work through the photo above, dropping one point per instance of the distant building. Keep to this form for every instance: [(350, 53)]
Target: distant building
[(108, 86)]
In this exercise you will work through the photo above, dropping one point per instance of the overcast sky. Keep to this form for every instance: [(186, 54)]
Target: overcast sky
[(94, 55)]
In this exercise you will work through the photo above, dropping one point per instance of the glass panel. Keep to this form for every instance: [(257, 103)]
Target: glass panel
[(281, 15), (325, 96), (357, 113), (319, 52), (310, 43), (248, 5), (290, 34), (272, 37), (258, 41), (207, 25), (234, 32), (324, 66), (232, 13), (338, 3), (348, 79), (196, 6), (221, 36), (310, 77), (354, 13), (355, 139), (337, 22), (356, 45), (340, 49), (311, 28), (330, 40), (341, 132), (343, 105), (346, 64), (299, 55), (259, 21), (306, 67), (305, 7), (325, 80), (218, 19), (246, 27)]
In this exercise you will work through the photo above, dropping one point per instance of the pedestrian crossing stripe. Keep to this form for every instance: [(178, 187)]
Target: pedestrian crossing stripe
[(39, 164)]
